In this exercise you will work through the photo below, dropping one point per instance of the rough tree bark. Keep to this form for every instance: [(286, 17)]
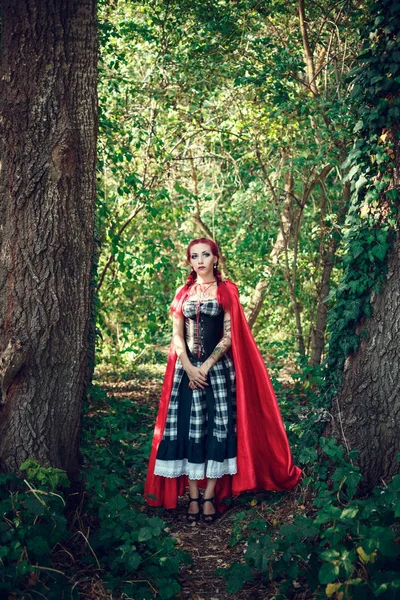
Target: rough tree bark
[(48, 116), (367, 408)]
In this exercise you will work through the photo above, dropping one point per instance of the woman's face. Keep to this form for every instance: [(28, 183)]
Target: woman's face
[(202, 261)]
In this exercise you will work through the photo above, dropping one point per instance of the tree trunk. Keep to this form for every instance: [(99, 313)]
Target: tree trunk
[(328, 260), (318, 329), (281, 242), (367, 408), (47, 190), (256, 302), (308, 54)]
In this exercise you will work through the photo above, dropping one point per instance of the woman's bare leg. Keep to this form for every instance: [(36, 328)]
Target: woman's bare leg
[(194, 507), (208, 508)]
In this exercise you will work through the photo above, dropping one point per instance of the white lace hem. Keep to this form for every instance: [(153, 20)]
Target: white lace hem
[(211, 470)]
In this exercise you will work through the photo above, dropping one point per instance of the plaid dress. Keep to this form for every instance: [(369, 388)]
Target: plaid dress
[(200, 431)]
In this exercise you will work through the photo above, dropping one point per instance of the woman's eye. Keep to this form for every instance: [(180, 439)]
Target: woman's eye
[(206, 254)]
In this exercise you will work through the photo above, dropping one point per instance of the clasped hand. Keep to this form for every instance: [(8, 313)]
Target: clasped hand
[(197, 377)]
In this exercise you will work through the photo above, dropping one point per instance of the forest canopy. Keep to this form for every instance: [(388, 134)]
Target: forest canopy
[(230, 120)]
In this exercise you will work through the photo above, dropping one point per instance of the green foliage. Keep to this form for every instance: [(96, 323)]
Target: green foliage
[(205, 119), (32, 525), (372, 217), (130, 550), (239, 575), (133, 548), (49, 476), (343, 544), (334, 544)]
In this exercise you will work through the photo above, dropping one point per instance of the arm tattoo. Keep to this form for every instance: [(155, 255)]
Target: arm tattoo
[(225, 342)]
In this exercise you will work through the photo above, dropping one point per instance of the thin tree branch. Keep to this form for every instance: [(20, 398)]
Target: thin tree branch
[(111, 258)]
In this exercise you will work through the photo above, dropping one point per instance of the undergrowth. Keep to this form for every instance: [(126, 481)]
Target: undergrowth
[(139, 558), (52, 546), (32, 526), (337, 544)]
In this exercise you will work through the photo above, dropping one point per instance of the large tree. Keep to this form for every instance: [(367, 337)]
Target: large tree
[(47, 189), (365, 321)]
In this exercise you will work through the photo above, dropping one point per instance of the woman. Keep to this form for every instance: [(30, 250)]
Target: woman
[(218, 424)]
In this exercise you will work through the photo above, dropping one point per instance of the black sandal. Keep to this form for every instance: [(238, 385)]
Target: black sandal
[(210, 518), (193, 517)]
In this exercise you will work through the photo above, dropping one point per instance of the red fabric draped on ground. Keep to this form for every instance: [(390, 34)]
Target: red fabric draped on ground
[(264, 459)]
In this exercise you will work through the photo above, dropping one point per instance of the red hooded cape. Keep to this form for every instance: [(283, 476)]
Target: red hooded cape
[(264, 460)]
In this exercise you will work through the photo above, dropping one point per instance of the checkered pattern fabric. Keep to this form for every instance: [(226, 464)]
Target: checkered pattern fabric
[(171, 424), (198, 414), (208, 307), (219, 385), (220, 391)]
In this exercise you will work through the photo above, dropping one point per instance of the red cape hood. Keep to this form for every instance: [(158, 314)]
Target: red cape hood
[(264, 459)]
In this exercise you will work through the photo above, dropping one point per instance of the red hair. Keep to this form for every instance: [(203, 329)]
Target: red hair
[(176, 306), (214, 251)]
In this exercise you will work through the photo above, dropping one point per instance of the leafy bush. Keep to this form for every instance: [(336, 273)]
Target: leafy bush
[(343, 546), (33, 524), (129, 551), (139, 559)]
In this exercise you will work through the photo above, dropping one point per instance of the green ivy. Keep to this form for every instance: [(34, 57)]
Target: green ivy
[(372, 217)]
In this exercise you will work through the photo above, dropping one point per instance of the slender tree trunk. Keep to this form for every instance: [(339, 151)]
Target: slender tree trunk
[(328, 261), (47, 188), (308, 54), (297, 308), (291, 272), (256, 302), (318, 329), (203, 228), (286, 223)]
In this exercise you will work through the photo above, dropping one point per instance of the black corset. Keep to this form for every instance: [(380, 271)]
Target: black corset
[(202, 334)]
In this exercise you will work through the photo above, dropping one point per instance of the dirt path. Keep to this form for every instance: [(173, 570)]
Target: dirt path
[(209, 545)]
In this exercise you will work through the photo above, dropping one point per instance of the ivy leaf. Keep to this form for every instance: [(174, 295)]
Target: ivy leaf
[(361, 181), (133, 560), (260, 552), (356, 249), (354, 169), (258, 525), (238, 575), (328, 573), (349, 512), (117, 503), (301, 528), (145, 533), (393, 194), (380, 251), (169, 590), (34, 506), (330, 555), (332, 588)]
